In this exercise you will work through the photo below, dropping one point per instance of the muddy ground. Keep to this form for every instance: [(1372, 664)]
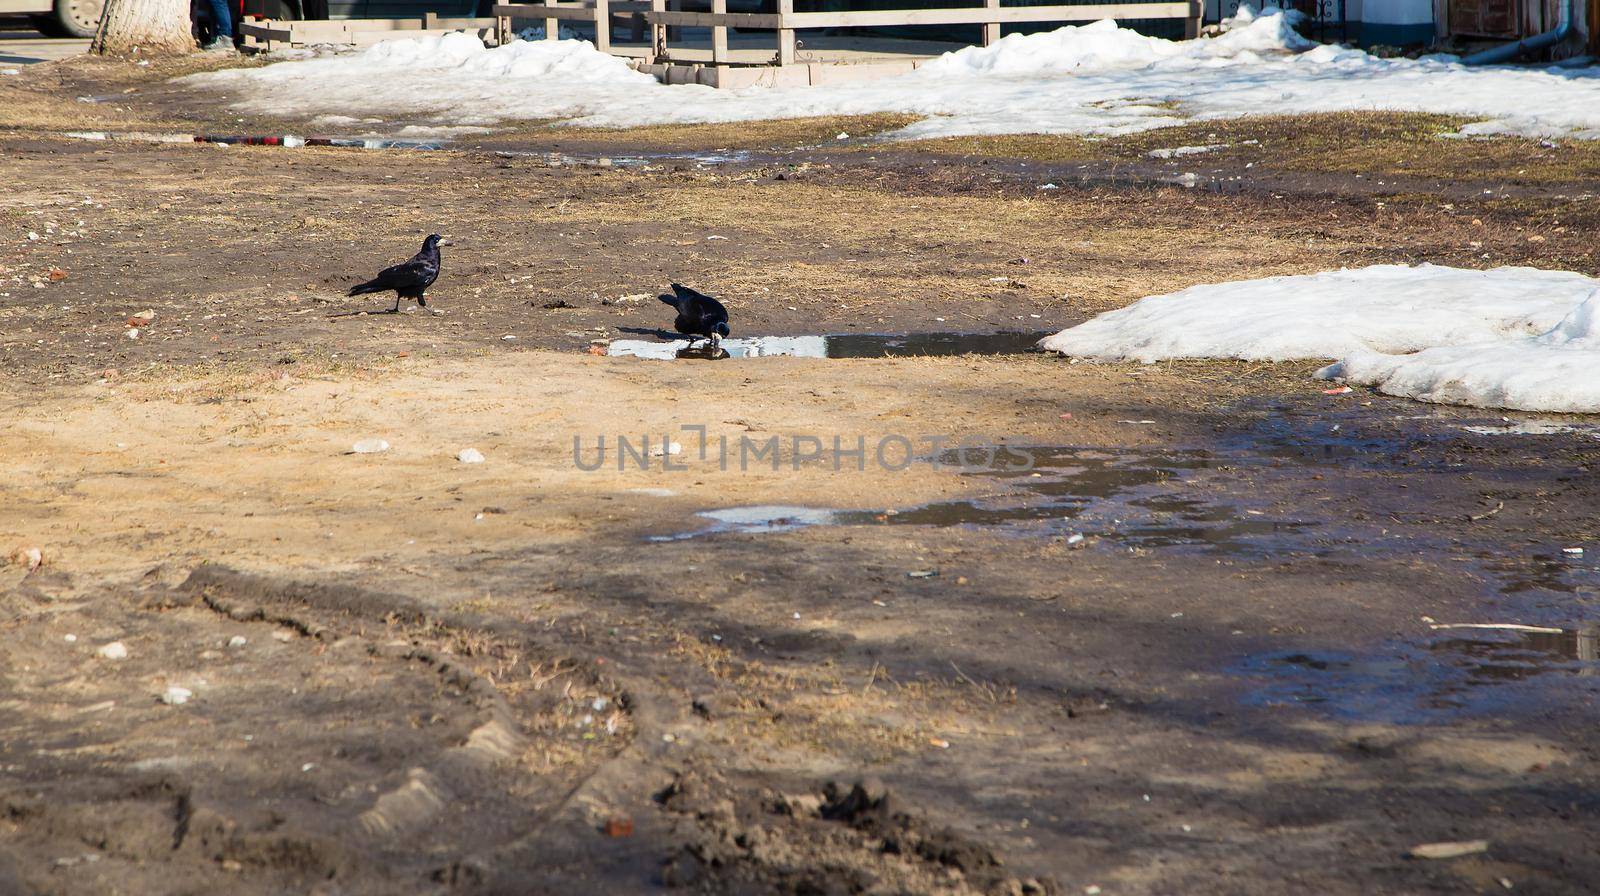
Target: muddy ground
[(1176, 636)]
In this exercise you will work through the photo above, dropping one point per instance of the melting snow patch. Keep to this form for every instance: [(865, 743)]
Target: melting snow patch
[(1518, 338), (1558, 370), (1093, 79)]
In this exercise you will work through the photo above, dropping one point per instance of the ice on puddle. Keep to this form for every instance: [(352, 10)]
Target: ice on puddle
[(1090, 79)]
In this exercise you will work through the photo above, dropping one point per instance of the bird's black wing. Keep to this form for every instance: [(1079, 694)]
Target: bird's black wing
[(413, 274), (684, 293)]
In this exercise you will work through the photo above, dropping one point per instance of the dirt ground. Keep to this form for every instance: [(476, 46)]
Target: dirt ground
[(1178, 638)]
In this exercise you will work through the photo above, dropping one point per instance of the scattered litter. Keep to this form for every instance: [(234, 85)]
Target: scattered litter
[(1340, 390), (1449, 850), (1075, 538), (30, 557), (1048, 187), (176, 696), (144, 317), (842, 136), (308, 766), (716, 238), (618, 826), (470, 456), (56, 275), (672, 448), (922, 573), (133, 333), (1572, 550), (1479, 517), (369, 446), (939, 742), (1138, 422), (116, 650)]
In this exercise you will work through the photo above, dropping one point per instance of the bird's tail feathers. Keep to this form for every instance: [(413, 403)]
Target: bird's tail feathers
[(670, 300), (363, 289)]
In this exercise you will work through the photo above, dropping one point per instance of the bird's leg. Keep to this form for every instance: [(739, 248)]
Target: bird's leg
[(396, 309)]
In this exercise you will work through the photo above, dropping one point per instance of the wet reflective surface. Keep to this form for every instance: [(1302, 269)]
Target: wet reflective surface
[(1133, 498), (842, 345), (1484, 671)]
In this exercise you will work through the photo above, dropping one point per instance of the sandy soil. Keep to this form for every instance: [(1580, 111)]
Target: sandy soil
[(1193, 654)]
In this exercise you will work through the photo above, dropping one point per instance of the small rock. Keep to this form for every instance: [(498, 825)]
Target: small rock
[(672, 448), (71, 639), (176, 696), (133, 332), (116, 650), (470, 456), (238, 641), (369, 446)]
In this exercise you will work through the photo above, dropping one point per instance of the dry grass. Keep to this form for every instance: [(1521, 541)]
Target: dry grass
[(1369, 143), (787, 133)]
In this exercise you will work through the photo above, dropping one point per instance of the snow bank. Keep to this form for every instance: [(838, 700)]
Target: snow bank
[(1555, 371), (1519, 338), (1093, 79)]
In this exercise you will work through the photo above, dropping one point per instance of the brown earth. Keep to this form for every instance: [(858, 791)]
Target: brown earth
[(522, 676)]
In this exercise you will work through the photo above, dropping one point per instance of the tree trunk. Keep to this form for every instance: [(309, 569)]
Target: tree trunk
[(148, 27)]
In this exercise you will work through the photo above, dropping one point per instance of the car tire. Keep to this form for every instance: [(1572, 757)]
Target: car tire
[(73, 18)]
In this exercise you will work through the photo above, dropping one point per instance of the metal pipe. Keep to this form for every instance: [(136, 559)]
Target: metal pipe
[(1508, 52)]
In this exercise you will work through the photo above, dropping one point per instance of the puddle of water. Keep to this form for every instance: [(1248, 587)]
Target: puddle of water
[(1552, 571), (842, 345), (1127, 497), (1132, 498), (1486, 672), (760, 518)]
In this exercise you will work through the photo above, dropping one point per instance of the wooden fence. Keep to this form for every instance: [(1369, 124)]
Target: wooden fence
[(663, 23)]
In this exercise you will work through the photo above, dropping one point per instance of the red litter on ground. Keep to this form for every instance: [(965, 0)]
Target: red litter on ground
[(1342, 390)]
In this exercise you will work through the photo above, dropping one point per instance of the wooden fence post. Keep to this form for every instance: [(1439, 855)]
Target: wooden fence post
[(991, 30), (602, 25), (658, 32), (719, 33), (785, 35), (1191, 25), (552, 27)]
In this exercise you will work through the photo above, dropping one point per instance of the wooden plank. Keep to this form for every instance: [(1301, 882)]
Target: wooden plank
[(786, 45), (602, 25), (658, 29), (712, 20), (1191, 22), (561, 13), (981, 15), (719, 32), (991, 30)]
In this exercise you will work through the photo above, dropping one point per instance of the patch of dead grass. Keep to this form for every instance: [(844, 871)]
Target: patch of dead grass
[(1368, 143)]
